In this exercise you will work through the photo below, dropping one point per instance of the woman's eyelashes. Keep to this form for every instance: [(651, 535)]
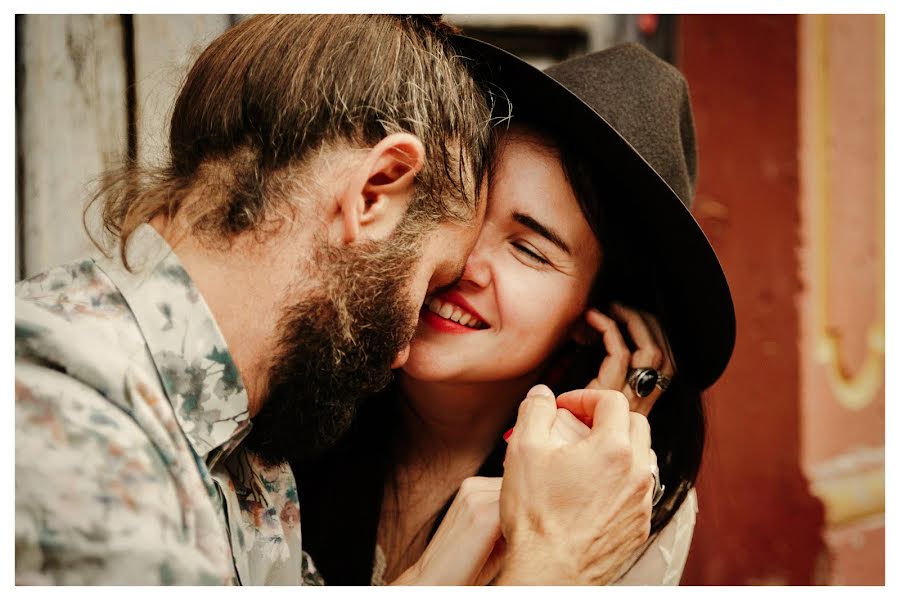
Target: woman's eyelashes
[(530, 253)]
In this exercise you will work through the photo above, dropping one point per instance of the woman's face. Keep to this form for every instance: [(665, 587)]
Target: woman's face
[(526, 283)]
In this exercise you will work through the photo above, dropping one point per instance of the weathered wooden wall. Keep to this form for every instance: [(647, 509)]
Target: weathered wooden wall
[(85, 84), (72, 125)]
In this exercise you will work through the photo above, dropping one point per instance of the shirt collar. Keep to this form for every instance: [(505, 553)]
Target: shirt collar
[(188, 349)]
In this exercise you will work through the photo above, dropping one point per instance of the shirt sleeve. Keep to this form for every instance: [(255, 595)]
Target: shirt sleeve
[(95, 501)]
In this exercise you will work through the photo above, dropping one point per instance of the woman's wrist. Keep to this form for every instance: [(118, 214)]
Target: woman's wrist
[(411, 576)]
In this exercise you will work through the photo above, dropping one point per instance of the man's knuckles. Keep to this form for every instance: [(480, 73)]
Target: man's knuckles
[(639, 424), (617, 453), (640, 482), (616, 400)]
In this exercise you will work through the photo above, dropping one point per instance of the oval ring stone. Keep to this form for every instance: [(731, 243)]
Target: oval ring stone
[(646, 381)]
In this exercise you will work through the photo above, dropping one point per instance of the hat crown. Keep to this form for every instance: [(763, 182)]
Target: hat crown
[(646, 100)]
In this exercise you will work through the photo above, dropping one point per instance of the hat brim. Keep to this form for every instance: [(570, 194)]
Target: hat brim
[(701, 328)]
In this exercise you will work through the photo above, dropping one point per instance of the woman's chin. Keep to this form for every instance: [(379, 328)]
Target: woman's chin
[(426, 370)]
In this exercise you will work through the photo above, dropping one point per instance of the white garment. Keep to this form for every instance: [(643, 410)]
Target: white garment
[(660, 561)]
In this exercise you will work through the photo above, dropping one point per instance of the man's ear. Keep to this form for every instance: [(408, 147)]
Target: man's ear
[(381, 187)]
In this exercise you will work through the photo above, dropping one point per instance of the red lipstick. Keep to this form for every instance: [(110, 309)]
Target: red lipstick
[(456, 298), (446, 325), (441, 324)]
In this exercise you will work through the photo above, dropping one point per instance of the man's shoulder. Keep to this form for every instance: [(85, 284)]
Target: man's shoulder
[(88, 479), (73, 318), (68, 429), (108, 485), (75, 290), (107, 488), (84, 379), (78, 398)]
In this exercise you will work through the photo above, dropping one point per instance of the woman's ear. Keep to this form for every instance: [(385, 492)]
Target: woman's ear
[(381, 187), (583, 334)]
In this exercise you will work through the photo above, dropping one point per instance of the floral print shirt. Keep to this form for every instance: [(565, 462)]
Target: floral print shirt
[(129, 419)]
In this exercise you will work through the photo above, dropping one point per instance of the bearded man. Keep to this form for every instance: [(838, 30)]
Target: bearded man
[(325, 174)]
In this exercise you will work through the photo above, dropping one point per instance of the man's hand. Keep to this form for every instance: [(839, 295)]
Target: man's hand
[(573, 513)]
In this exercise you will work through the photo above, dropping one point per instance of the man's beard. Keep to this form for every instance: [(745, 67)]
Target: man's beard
[(336, 346)]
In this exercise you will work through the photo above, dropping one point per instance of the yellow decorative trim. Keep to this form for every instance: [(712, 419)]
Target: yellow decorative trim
[(853, 392), (852, 497)]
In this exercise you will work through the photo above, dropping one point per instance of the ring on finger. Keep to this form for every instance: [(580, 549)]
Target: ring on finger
[(663, 382), (642, 380)]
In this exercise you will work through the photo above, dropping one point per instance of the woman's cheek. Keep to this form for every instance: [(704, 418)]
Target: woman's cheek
[(536, 314)]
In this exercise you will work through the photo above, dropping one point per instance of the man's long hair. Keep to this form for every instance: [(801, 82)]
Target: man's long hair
[(275, 91)]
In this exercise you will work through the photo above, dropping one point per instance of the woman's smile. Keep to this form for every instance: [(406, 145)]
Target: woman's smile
[(449, 312), (525, 283)]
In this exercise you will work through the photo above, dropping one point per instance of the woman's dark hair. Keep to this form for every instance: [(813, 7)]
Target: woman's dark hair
[(677, 420), (341, 493)]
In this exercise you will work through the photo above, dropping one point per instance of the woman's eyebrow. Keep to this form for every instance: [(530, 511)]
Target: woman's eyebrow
[(542, 230)]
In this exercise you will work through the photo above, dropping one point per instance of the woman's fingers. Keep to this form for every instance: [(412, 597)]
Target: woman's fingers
[(614, 365), (463, 550), (668, 366), (649, 342), (536, 414), (492, 566), (482, 484), (651, 351), (648, 352)]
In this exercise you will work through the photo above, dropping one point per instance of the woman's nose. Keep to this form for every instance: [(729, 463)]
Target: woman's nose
[(477, 271)]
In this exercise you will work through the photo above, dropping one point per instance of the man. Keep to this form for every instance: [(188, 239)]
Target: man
[(325, 174)]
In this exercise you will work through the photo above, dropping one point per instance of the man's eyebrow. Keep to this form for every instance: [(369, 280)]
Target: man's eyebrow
[(542, 230)]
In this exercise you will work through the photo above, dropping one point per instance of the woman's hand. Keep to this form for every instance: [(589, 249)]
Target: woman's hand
[(652, 351), (467, 548)]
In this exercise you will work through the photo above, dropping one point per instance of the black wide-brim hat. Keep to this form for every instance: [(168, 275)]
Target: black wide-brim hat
[(629, 109)]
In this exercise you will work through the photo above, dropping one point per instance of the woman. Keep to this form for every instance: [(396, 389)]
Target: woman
[(582, 244)]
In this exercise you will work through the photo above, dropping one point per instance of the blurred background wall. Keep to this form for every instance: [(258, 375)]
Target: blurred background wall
[(789, 112), (790, 120)]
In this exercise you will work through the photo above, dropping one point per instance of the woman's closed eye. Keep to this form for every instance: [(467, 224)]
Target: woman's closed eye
[(530, 253)]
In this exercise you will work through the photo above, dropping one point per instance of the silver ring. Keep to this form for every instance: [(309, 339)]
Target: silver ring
[(663, 382), (643, 380), (658, 488)]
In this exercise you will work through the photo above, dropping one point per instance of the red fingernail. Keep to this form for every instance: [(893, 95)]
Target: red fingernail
[(508, 434)]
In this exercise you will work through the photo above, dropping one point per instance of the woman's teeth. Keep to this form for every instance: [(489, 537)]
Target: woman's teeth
[(453, 313)]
